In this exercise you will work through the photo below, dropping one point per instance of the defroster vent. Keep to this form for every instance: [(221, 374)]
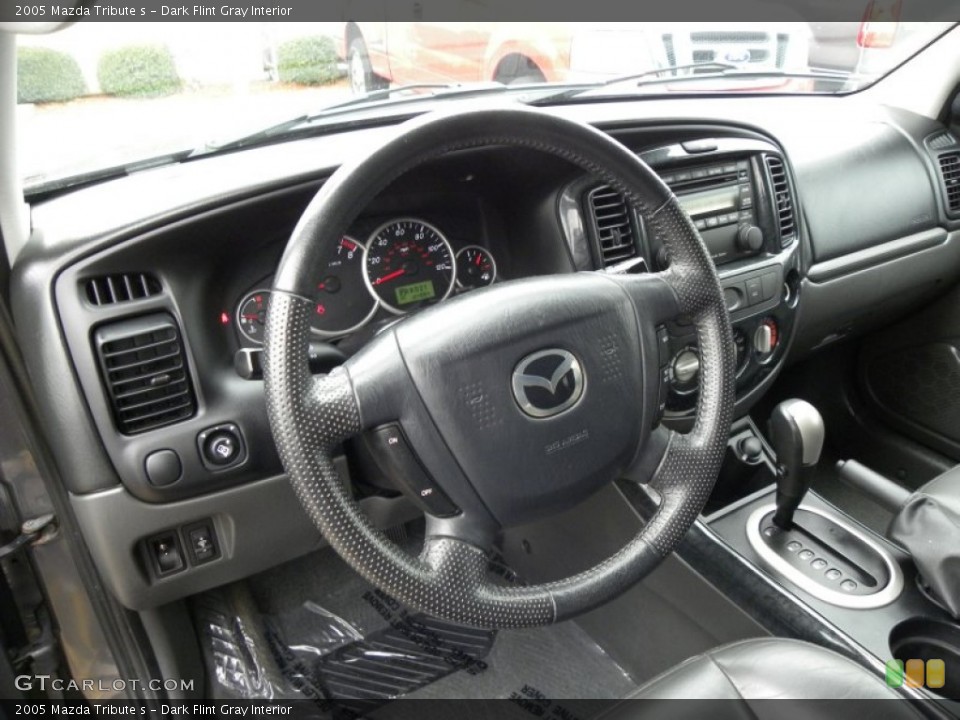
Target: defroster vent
[(145, 371), (783, 199), (614, 225), (950, 175)]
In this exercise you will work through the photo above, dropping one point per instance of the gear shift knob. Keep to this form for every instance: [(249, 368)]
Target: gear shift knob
[(796, 435)]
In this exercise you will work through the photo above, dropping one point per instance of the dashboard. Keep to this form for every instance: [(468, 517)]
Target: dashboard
[(140, 302)]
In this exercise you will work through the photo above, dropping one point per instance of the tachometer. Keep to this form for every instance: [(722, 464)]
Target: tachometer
[(343, 303), (409, 265)]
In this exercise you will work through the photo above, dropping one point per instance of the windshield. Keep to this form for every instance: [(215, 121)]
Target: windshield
[(106, 95)]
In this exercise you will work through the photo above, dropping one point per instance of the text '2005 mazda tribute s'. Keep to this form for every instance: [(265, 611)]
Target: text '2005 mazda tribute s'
[(573, 394)]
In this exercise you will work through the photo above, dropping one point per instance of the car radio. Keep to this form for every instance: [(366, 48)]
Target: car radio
[(720, 200)]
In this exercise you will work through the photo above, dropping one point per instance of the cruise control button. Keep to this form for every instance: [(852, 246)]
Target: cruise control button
[(833, 574), (399, 463), (848, 586)]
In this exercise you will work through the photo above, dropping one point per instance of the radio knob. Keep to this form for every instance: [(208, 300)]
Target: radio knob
[(749, 238)]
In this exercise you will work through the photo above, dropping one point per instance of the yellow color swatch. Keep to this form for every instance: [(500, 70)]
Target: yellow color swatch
[(936, 674)]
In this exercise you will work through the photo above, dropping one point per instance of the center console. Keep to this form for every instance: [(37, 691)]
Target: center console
[(739, 193), (850, 586)]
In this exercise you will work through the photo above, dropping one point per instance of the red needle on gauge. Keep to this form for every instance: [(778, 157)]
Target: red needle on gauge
[(389, 276)]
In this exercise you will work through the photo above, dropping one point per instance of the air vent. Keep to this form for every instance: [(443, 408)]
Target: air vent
[(145, 372), (123, 287), (941, 141), (783, 200), (950, 174), (615, 232)]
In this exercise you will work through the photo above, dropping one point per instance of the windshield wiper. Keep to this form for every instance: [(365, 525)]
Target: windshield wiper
[(376, 98), (720, 71)]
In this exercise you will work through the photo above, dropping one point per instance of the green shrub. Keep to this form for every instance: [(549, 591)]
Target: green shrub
[(138, 71), (307, 61), (45, 75)]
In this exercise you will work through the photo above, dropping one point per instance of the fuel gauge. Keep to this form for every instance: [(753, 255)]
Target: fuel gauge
[(476, 267)]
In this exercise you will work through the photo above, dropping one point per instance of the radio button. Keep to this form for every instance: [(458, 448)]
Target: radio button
[(711, 222), (700, 225), (698, 174)]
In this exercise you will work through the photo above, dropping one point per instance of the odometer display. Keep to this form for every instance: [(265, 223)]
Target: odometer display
[(409, 265), (417, 292)]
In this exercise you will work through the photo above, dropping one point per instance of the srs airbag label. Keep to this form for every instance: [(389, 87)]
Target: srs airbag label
[(567, 442)]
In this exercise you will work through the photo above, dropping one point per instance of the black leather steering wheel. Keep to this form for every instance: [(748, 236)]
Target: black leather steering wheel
[(447, 376)]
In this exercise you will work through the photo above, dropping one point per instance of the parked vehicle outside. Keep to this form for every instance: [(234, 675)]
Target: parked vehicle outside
[(380, 53)]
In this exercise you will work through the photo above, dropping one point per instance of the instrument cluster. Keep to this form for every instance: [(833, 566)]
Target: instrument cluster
[(406, 264)]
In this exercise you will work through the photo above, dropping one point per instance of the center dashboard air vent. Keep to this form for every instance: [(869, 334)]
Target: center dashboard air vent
[(783, 199), (119, 288), (949, 165), (614, 225), (145, 371)]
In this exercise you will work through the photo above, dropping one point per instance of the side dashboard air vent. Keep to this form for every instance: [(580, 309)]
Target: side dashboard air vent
[(123, 287), (950, 175), (615, 232), (145, 372), (941, 141), (783, 199)]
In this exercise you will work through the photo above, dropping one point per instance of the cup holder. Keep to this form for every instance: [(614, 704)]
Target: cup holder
[(925, 639)]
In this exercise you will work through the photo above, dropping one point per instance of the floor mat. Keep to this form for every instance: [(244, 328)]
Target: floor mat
[(313, 629)]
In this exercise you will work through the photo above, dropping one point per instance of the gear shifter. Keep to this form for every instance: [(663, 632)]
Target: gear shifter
[(796, 435)]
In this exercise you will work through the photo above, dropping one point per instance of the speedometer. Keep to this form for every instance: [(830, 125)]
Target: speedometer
[(409, 265)]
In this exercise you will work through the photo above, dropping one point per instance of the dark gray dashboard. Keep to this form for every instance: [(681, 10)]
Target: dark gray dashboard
[(873, 239)]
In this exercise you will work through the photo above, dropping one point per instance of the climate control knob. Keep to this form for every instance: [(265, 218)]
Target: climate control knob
[(749, 238)]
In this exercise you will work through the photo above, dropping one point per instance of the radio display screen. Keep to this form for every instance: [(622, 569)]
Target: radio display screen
[(710, 202)]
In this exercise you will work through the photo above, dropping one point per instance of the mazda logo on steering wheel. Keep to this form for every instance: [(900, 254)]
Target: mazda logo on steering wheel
[(548, 382)]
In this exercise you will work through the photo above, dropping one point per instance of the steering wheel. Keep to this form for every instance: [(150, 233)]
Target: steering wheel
[(519, 400)]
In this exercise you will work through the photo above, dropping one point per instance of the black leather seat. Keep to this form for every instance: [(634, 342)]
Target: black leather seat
[(760, 670)]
